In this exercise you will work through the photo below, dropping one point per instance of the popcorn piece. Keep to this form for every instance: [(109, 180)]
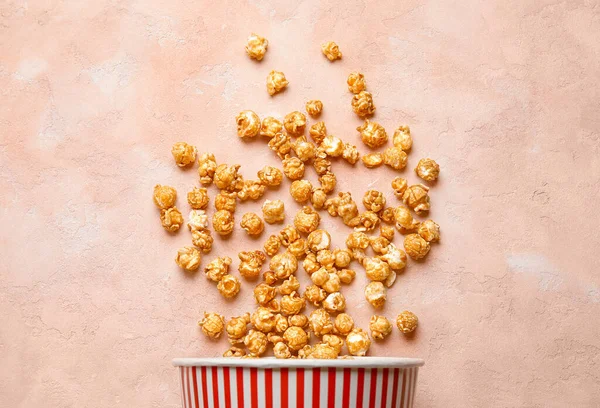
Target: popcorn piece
[(307, 220), (416, 197), (318, 131), (372, 134), (376, 269), (248, 124), (304, 150), (346, 275), (374, 200), (217, 268), (407, 322), (256, 46), (321, 163), (280, 144), (395, 158), (272, 245), (334, 302), (328, 182), (229, 286), (318, 198), (380, 327), (251, 190), (164, 196), (332, 145), (270, 126), (372, 160), (264, 293), (298, 248), (183, 153), (428, 169), (281, 324), (283, 265), (343, 257), (171, 219), (273, 211), (346, 207), (376, 294), (402, 138), (320, 277), (366, 221), (314, 294), (362, 104), (331, 51), (334, 341), (404, 220), (225, 201), (223, 222), (358, 342), (314, 107), (416, 247), (203, 240), (295, 337), (252, 224), (301, 190), (356, 82), (281, 350), (292, 304), (399, 186), (212, 325), (343, 324), (295, 123), (298, 320), (256, 342), (251, 263), (270, 176), (429, 231), (378, 244), (386, 232), (387, 215), (318, 240), (293, 168), (198, 198), (320, 322), (276, 82), (263, 319), (234, 352), (197, 220), (350, 153), (289, 235), (310, 263), (188, 258), (323, 351), (357, 240), (394, 257), (389, 282), (207, 165), (326, 258), (289, 285), (227, 177)]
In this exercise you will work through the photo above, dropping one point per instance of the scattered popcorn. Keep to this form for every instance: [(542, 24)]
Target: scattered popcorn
[(415, 246), (331, 51), (358, 342), (307, 220), (288, 235), (273, 211), (380, 327), (366, 221), (394, 257), (207, 165), (289, 285), (376, 294), (404, 220), (248, 124), (318, 131), (256, 46), (276, 82), (346, 275), (362, 104), (372, 134), (395, 158), (428, 169), (252, 224), (429, 231), (198, 198), (407, 322), (292, 304), (227, 177), (314, 107), (183, 153), (251, 190), (256, 343), (171, 219), (321, 162), (298, 320), (263, 319), (280, 144), (197, 220), (188, 258), (212, 325), (301, 190), (314, 294), (318, 240), (318, 198), (281, 324), (225, 201), (323, 351), (164, 196), (387, 232), (293, 168), (251, 263), (203, 240), (217, 268), (334, 341), (295, 123), (270, 126), (223, 222), (343, 324), (319, 322), (374, 200), (310, 263), (332, 146), (326, 258), (402, 138), (387, 215), (272, 245), (399, 186), (264, 293), (304, 150), (270, 176), (357, 240), (378, 244), (350, 153), (283, 264), (356, 82), (281, 350), (334, 302), (229, 286), (343, 257), (298, 248), (295, 337), (234, 352), (376, 269), (416, 197)]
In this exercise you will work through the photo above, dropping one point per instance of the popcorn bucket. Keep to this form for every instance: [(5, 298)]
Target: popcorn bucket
[(367, 382)]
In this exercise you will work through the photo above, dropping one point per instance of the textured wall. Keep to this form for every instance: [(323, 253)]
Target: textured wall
[(504, 94)]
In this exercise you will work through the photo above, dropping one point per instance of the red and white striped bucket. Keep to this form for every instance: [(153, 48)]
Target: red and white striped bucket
[(368, 382)]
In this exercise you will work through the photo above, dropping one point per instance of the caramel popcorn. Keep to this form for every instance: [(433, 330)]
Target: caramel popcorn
[(188, 258), (164, 196), (281, 324), (310, 263), (404, 220), (202, 239), (320, 322), (321, 163), (256, 46), (298, 248), (374, 200), (334, 302), (171, 219), (358, 342), (326, 258), (276, 82), (263, 319), (389, 282), (292, 304), (252, 224), (328, 182), (402, 138), (362, 104), (376, 269), (207, 165), (323, 351), (318, 240), (229, 286), (298, 320), (331, 51), (227, 177), (283, 265), (269, 278), (314, 107), (318, 198), (407, 322), (270, 126), (320, 277), (343, 257), (346, 207), (272, 245), (295, 337), (334, 341), (301, 190), (280, 144), (416, 197), (366, 221), (197, 220), (376, 294), (307, 220), (264, 293), (356, 82), (372, 134), (380, 327), (217, 268), (198, 198), (415, 246), (387, 215), (274, 337), (304, 150), (399, 186), (318, 131), (234, 352), (248, 124), (281, 350), (429, 231), (251, 190), (293, 168), (343, 324), (346, 275), (332, 145), (395, 158), (357, 240), (372, 160), (223, 222), (350, 153), (183, 153), (256, 342), (394, 257), (378, 244), (314, 294), (225, 201), (212, 325), (273, 211), (288, 235), (386, 232), (270, 176), (428, 169), (251, 263), (295, 123), (289, 285)]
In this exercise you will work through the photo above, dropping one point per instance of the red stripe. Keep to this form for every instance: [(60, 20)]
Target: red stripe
[(239, 376), (227, 382), (181, 369), (215, 385), (268, 388), (204, 388), (402, 395), (195, 380), (331, 388), (346, 388), (360, 388), (316, 396), (253, 387), (384, 387), (189, 393), (395, 387), (284, 388), (300, 387), (373, 388)]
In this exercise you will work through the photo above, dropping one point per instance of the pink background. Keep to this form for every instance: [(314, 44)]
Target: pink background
[(503, 94)]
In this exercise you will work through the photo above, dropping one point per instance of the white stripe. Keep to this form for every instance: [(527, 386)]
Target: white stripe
[(186, 379), (221, 385), (233, 386), (292, 378), (414, 386), (247, 393), (400, 381), (390, 387), (276, 387), (378, 388), (353, 382), (209, 382), (339, 387), (261, 387), (191, 387), (324, 385), (308, 386), (367, 387), (182, 379)]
